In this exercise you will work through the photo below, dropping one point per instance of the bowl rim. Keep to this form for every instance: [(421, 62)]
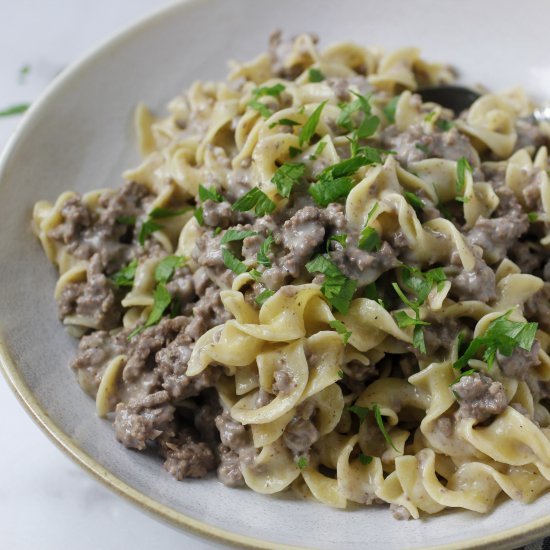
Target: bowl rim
[(509, 538)]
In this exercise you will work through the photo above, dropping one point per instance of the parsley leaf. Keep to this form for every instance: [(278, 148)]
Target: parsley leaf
[(404, 320), (390, 108), (147, 228), (418, 339), (15, 109), (315, 75), (381, 427), (337, 288), (262, 108), (287, 176), (361, 412), (371, 292), (342, 239), (232, 262), (361, 104), (344, 168), (199, 215), (461, 166), (320, 147), (422, 147), (162, 300), (263, 296), (232, 235), (265, 248), (444, 124), (369, 240), (503, 336), (23, 73), (166, 267), (364, 459), (302, 462), (160, 212), (294, 151), (533, 216), (273, 91), (209, 194), (125, 277), (341, 329), (257, 199), (308, 129), (284, 122), (328, 190), (126, 220), (416, 202)]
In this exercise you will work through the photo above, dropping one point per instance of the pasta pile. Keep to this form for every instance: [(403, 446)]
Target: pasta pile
[(370, 284)]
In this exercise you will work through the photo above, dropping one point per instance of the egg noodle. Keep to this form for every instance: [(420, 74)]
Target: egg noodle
[(315, 281)]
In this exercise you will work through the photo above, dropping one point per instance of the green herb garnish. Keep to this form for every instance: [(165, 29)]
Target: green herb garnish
[(381, 427), (162, 300), (444, 124), (294, 151), (533, 216), (390, 108), (125, 277), (416, 202), (263, 296), (263, 254), (364, 459), (232, 235), (257, 199), (461, 166), (341, 329), (422, 147), (341, 239), (337, 288), (159, 212), (308, 129), (315, 75), (126, 220), (209, 194), (166, 267), (147, 228), (287, 176), (232, 262), (199, 215), (503, 336), (15, 109), (302, 462)]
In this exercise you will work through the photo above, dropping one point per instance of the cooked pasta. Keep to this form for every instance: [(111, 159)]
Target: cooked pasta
[(315, 281)]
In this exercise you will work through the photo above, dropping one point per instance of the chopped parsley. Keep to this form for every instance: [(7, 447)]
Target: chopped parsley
[(390, 108), (362, 413), (369, 239), (416, 202), (126, 220), (159, 212), (335, 181), (341, 239), (381, 427), (370, 291), (461, 166), (125, 277), (23, 74), (287, 176), (294, 151), (166, 267), (257, 199), (341, 329), (340, 373), (147, 228), (199, 215), (232, 262), (302, 462), (444, 124), (263, 254), (320, 147), (232, 235), (430, 116), (162, 300), (364, 459), (315, 75), (420, 284), (503, 336), (308, 129), (337, 288), (284, 122), (15, 109), (422, 147), (255, 274), (209, 194), (263, 109), (273, 91), (533, 216), (263, 296)]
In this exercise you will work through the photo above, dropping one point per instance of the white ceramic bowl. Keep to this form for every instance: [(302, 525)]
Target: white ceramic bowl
[(78, 136)]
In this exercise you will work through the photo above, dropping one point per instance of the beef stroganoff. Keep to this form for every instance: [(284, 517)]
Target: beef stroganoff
[(315, 281)]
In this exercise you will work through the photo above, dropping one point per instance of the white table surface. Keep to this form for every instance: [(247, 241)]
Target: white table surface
[(46, 501)]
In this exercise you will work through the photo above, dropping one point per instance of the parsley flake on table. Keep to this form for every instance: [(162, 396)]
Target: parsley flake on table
[(18, 109)]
